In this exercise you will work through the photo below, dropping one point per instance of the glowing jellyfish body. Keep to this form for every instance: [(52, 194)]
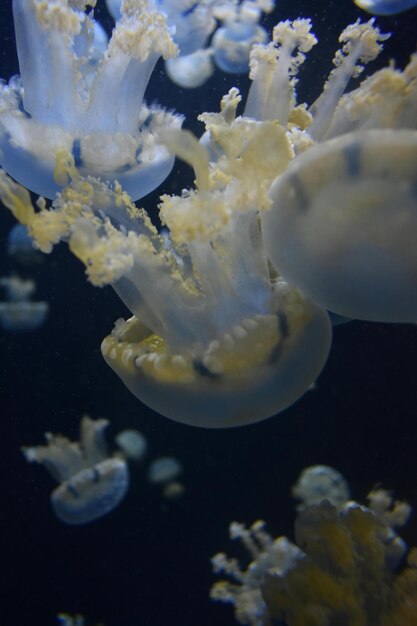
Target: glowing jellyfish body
[(68, 100), (343, 226), (232, 44), (132, 443), (164, 470), (192, 70), (386, 7), (92, 485), (321, 482), (18, 313), (20, 245)]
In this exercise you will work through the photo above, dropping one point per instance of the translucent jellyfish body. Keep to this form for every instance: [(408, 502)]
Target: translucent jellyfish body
[(20, 246), (18, 313), (321, 482), (91, 483), (343, 225), (386, 7), (192, 70), (68, 100), (163, 470), (232, 44), (132, 443)]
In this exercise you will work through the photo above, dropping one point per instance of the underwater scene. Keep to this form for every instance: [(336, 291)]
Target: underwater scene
[(208, 307)]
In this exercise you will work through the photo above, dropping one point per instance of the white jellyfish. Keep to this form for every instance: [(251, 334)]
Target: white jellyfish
[(70, 98), (18, 312), (343, 225), (192, 70), (164, 470), (386, 7), (92, 484), (132, 444), (321, 482)]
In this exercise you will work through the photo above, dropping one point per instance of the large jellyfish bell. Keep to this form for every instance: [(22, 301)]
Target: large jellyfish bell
[(343, 226), (66, 100)]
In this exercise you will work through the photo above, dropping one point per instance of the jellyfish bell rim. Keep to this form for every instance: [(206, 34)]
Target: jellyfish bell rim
[(37, 174), (237, 402)]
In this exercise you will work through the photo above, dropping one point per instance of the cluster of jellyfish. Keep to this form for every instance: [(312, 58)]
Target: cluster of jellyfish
[(324, 505), (301, 213), (93, 481)]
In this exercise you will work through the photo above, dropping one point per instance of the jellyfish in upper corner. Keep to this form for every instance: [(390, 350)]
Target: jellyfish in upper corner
[(385, 7), (18, 312), (91, 483), (66, 100)]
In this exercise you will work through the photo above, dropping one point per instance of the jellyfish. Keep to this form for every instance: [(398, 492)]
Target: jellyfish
[(20, 246), (233, 41), (385, 7), (18, 313), (67, 100), (132, 443), (164, 470), (321, 482), (222, 333), (91, 484), (343, 225), (192, 70)]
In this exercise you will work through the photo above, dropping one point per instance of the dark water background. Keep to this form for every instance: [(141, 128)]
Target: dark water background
[(148, 562)]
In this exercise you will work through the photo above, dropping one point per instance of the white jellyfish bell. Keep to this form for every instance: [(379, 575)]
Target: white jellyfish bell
[(343, 225), (92, 484)]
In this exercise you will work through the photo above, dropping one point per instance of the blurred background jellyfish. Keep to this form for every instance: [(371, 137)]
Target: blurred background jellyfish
[(20, 246), (164, 470), (233, 41), (92, 484), (385, 7), (192, 70), (18, 312), (132, 444), (67, 101), (321, 482)]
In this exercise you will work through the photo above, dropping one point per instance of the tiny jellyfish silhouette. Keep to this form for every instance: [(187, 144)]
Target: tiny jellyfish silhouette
[(385, 7), (18, 312), (92, 484), (164, 470), (132, 444), (173, 490), (20, 246), (320, 482)]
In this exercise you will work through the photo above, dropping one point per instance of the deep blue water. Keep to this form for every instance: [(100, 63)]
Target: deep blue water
[(148, 562)]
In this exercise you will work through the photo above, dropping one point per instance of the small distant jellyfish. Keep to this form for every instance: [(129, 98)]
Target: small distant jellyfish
[(321, 482), (233, 41), (164, 470), (173, 491), (92, 484), (192, 70), (18, 312), (132, 443), (385, 7), (20, 246)]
